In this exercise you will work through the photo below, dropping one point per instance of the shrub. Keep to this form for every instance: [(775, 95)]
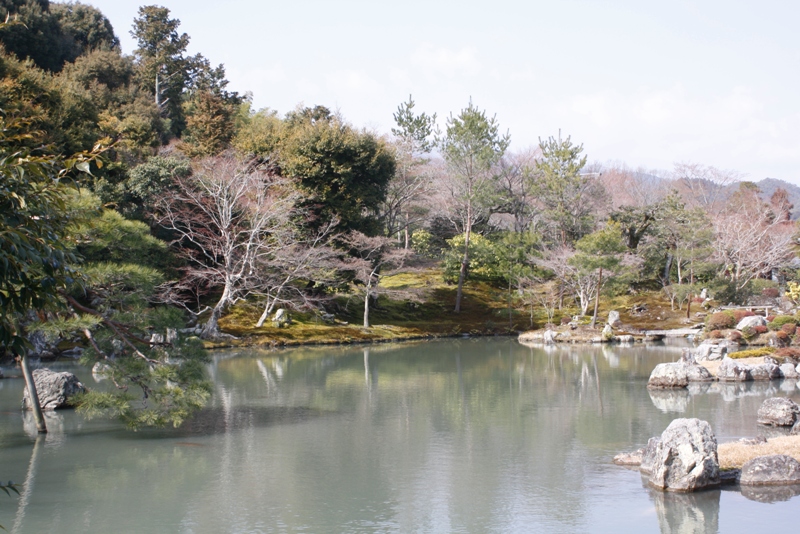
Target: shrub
[(738, 315), (760, 329), (735, 335), (749, 332), (788, 352), (770, 318), (771, 292), (789, 328), (566, 319), (781, 320), (752, 353), (715, 334), (724, 319)]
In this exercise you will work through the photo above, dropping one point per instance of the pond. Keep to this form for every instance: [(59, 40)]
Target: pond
[(467, 435)]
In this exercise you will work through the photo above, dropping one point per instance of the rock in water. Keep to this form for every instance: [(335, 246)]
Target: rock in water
[(54, 389), (778, 411), (773, 470), (607, 334), (649, 455), (686, 457), (669, 375), (730, 371), (629, 458)]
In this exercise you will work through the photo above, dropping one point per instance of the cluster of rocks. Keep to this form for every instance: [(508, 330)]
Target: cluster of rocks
[(684, 459), (686, 370)]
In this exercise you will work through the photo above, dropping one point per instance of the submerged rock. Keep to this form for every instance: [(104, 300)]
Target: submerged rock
[(629, 458), (685, 457), (54, 389), (778, 411), (773, 470)]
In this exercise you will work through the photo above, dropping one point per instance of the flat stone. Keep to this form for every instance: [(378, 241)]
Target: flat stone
[(788, 371), (773, 470), (629, 458)]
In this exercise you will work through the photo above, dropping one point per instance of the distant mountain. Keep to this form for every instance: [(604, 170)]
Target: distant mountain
[(768, 186)]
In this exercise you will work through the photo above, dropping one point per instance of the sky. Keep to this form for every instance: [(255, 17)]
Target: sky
[(647, 84)]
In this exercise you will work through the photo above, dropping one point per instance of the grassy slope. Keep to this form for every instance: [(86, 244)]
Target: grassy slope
[(429, 313)]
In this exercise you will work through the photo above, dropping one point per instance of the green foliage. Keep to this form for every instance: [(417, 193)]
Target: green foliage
[(260, 134), (752, 353), (343, 172), (781, 320), (498, 261), (415, 131), (423, 245), (149, 181), (569, 198), (53, 34), (209, 124)]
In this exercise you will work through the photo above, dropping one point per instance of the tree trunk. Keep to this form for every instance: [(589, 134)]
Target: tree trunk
[(667, 269), (407, 236), (211, 328), (597, 296), (462, 273), (366, 305), (267, 310), (41, 427)]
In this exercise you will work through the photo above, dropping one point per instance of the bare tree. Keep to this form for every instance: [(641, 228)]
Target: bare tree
[(297, 257), (750, 238), (371, 256), (704, 186), (227, 217)]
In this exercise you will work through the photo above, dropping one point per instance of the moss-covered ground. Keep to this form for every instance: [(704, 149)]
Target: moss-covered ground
[(419, 304)]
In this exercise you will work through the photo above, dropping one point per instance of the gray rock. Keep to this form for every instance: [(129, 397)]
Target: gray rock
[(607, 334), (626, 338), (773, 470), (613, 319), (678, 374), (704, 293), (710, 350), (649, 455), (765, 371), (629, 458), (281, 318), (686, 457), (549, 337), (788, 371), (54, 389), (759, 440), (730, 371), (751, 322), (669, 375), (778, 411)]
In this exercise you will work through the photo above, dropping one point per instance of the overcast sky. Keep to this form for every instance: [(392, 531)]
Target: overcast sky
[(644, 83)]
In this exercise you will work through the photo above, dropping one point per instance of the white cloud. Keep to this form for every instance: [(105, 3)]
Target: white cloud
[(352, 81), (441, 60)]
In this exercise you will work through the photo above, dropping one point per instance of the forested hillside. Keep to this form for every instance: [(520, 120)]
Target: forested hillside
[(144, 203)]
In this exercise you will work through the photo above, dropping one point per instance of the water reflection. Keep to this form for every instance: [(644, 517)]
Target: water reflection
[(770, 494), (681, 513), (468, 435)]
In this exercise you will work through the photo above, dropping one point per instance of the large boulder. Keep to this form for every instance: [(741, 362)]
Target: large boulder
[(678, 374), (686, 457), (778, 411), (730, 371), (613, 319), (54, 389), (710, 350), (751, 322), (607, 334), (773, 470), (549, 337), (649, 455), (788, 370), (765, 371)]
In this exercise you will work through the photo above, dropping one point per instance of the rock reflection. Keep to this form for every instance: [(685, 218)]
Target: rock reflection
[(670, 400), (680, 513), (770, 494)]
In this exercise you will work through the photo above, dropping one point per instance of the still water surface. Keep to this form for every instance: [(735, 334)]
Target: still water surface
[(471, 435)]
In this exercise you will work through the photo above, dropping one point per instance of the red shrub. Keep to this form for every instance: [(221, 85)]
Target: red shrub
[(788, 352), (566, 320), (789, 328), (771, 292), (760, 329), (719, 320), (738, 315), (770, 318), (698, 300), (715, 334), (781, 335), (734, 335)]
